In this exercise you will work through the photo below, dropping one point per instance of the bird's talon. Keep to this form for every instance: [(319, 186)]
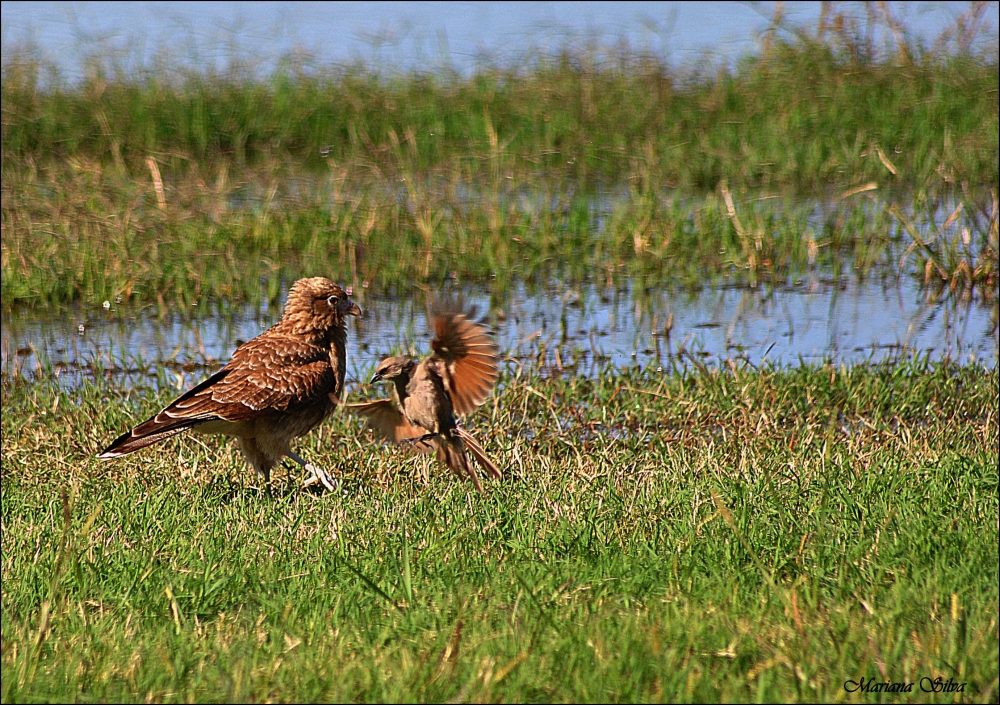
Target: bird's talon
[(322, 476)]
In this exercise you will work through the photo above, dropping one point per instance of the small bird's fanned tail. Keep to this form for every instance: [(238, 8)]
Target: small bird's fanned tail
[(479, 454), (450, 451)]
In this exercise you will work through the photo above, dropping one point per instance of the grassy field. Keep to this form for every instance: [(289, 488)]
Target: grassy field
[(812, 107), (824, 150), (685, 534), (90, 238)]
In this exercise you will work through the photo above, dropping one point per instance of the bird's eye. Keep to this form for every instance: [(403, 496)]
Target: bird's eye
[(333, 301)]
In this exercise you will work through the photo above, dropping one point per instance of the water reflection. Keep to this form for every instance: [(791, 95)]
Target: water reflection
[(582, 329)]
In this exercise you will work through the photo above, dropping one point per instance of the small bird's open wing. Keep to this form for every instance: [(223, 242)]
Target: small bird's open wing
[(470, 359), (266, 374), (385, 420)]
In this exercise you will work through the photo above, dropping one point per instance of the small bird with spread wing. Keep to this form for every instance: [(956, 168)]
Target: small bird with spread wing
[(456, 378), (277, 386)]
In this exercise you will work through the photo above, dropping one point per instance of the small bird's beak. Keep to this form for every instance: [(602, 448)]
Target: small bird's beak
[(376, 378)]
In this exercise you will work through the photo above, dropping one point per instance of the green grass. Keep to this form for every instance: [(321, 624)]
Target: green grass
[(80, 234), (809, 109), (675, 535), (169, 184)]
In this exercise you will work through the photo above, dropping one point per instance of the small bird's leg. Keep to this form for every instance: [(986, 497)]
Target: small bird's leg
[(318, 474)]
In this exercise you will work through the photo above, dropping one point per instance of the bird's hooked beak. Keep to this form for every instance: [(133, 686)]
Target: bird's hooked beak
[(376, 378), (349, 308)]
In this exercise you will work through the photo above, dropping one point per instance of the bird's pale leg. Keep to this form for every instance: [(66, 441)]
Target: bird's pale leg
[(318, 474)]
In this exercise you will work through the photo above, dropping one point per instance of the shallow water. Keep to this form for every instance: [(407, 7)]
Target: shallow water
[(584, 329)]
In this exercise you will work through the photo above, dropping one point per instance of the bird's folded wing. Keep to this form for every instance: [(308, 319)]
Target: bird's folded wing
[(272, 373), (265, 374), (470, 360), (385, 420)]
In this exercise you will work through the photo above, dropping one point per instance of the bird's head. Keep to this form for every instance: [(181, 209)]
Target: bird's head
[(391, 368), (316, 306)]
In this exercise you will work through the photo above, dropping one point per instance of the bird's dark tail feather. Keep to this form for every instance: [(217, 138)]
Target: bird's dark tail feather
[(128, 442)]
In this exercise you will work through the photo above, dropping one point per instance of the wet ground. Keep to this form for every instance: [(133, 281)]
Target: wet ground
[(585, 329)]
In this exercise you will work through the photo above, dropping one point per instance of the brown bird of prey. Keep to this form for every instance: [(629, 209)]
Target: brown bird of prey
[(276, 387), (426, 396)]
